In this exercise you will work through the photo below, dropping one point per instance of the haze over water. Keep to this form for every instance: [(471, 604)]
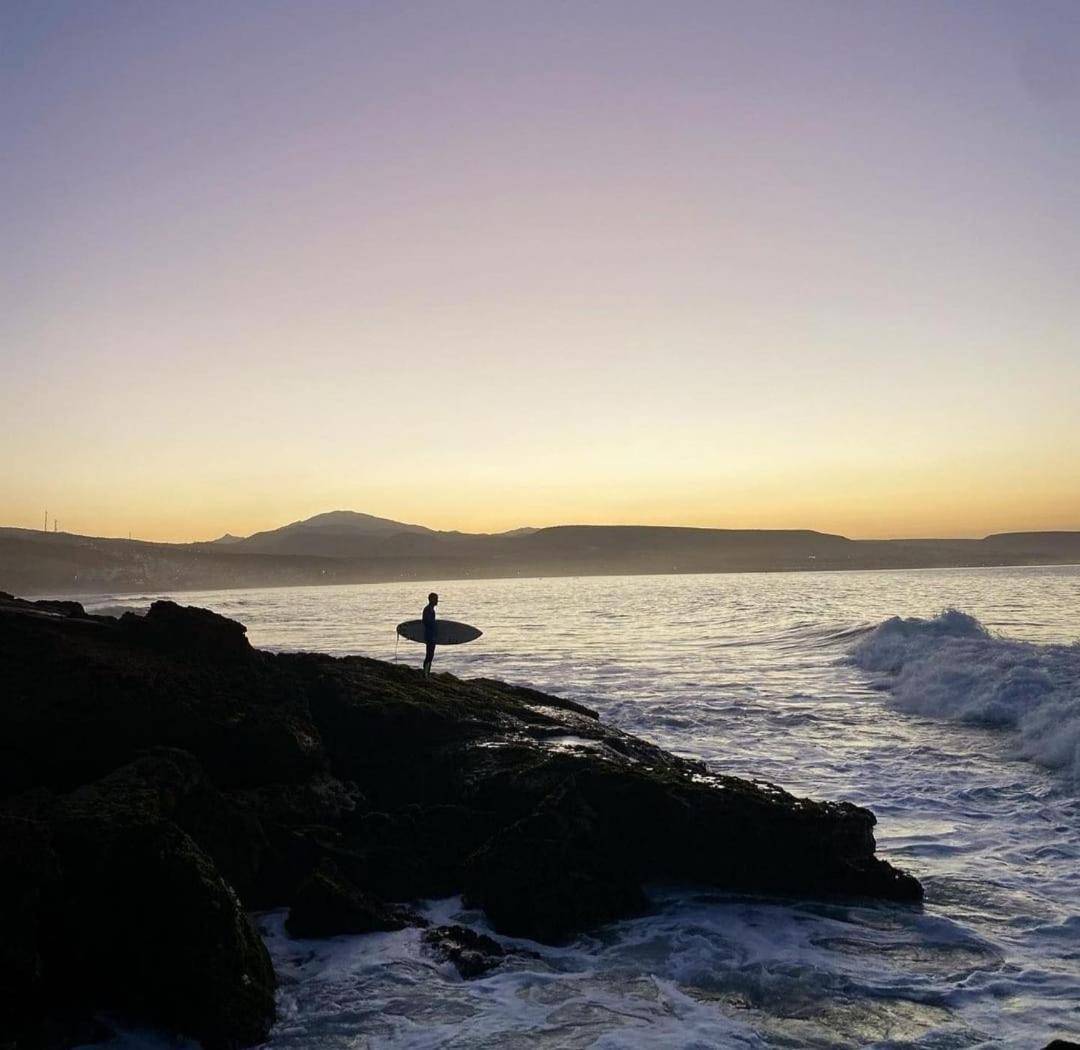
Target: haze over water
[(966, 745)]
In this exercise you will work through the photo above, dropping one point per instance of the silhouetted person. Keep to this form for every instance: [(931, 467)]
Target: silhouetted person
[(429, 631)]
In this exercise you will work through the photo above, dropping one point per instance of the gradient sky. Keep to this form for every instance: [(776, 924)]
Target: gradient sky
[(483, 265)]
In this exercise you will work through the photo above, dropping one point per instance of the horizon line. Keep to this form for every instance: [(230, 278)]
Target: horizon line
[(973, 537)]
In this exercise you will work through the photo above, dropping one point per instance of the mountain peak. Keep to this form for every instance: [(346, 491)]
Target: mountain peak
[(334, 533), (352, 521)]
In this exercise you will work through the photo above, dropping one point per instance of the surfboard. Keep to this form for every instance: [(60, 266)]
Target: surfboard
[(447, 632)]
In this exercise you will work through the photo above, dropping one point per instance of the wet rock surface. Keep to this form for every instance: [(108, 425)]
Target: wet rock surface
[(555, 872), (158, 776), (472, 954), (328, 903)]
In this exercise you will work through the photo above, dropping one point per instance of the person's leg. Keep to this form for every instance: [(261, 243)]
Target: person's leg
[(429, 656)]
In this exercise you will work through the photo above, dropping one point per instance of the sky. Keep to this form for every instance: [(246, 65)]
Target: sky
[(485, 265)]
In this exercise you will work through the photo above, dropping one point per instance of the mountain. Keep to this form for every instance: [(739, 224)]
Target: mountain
[(345, 547), (337, 533), (350, 534)]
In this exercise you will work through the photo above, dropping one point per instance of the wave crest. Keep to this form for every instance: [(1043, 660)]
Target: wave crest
[(952, 667)]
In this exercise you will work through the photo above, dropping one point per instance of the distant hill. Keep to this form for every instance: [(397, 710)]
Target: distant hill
[(1051, 544), (337, 533), (347, 547), (350, 534)]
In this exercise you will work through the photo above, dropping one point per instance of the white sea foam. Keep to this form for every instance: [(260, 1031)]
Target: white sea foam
[(742, 672), (702, 971), (952, 667)]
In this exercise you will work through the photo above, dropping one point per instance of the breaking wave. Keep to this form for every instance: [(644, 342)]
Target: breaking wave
[(952, 667)]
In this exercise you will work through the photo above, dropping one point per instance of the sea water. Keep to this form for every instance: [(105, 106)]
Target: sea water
[(947, 701)]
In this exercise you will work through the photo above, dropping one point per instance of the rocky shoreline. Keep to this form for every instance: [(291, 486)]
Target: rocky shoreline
[(160, 778)]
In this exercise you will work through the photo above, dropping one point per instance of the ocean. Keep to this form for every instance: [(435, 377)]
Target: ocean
[(946, 701)]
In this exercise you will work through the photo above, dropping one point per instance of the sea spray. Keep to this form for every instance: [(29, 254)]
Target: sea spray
[(951, 666)]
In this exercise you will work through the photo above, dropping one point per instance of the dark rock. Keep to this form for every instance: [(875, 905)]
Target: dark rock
[(726, 832), (328, 904), (417, 851), (610, 824), (294, 853), (167, 784), (29, 883), (474, 954), (1061, 1044), (269, 744), (85, 696), (60, 1029), (287, 829), (365, 735), (321, 799), (555, 873), (170, 942), (144, 923), (148, 790), (43, 607), (190, 630)]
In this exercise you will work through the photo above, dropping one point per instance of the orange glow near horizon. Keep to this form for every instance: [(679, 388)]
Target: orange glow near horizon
[(480, 266), (922, 510)]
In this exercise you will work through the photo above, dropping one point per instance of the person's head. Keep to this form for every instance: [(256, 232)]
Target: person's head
[(433, 598)]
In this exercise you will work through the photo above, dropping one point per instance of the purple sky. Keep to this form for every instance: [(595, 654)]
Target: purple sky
[(490, 264)]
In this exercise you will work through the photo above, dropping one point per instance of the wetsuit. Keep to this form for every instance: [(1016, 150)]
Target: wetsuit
[(429, 635)]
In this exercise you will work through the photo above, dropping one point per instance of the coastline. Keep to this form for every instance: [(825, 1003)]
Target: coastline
[(343, 789), (33, 563), (86, 595)]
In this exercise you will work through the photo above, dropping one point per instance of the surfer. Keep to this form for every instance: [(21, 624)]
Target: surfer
[(429, 631)]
